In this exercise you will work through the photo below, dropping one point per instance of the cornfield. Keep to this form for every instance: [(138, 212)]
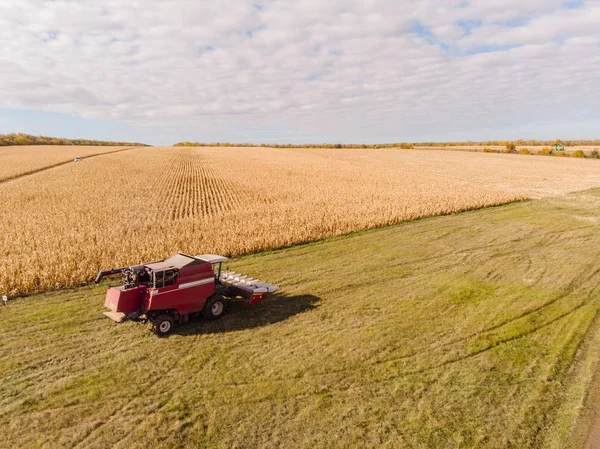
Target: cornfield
[(60, 226), (19, 160)]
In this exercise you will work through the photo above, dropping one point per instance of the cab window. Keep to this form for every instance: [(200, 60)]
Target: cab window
[(159, 279), (165, 278), (170, 277)]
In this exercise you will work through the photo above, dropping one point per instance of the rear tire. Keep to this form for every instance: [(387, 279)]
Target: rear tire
[(214, 307), (162, 325)]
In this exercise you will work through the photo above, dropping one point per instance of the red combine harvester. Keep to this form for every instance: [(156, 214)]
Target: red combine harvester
[(172, 290)]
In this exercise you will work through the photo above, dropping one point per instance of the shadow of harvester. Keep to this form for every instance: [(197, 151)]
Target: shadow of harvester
[(240, 316)]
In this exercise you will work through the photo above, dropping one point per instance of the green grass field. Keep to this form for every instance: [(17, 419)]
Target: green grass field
[(472, 330)]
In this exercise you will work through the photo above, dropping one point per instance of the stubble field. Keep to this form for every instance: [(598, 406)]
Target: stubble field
[(61, 225)]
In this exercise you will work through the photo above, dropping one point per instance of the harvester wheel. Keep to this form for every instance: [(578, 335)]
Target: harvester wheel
[(214, 307), (162, 325)]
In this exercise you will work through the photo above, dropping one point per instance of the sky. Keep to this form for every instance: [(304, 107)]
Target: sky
[(301, 71)]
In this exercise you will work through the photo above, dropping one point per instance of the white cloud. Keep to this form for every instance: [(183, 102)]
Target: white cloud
[(363, 70)]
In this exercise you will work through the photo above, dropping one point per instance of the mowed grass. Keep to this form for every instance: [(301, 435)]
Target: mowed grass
[(472, 330)]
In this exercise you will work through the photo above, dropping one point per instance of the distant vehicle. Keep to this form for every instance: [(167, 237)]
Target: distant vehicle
[(77, 159), (559, 147)]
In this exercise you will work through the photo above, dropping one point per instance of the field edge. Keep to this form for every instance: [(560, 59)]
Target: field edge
[(575, 414)]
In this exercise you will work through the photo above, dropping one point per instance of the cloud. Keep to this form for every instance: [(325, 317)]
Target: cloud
[(339, 70)]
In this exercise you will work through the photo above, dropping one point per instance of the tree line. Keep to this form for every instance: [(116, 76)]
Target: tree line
[(291, 145), (403, 145), (28, 139)]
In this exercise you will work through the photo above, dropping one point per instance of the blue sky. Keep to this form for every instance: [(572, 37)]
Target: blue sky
[(302, 71)]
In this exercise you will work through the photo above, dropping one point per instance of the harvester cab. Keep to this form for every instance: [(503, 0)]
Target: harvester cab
[(172, 290), (136, 276)]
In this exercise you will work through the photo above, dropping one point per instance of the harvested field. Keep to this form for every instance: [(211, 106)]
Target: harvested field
[(62, 225), (19, 160)]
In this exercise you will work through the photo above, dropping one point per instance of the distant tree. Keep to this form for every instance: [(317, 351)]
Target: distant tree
[(27, 139)]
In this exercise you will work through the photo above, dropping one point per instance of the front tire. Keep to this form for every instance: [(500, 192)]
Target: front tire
[(214, 307), (162, 325)]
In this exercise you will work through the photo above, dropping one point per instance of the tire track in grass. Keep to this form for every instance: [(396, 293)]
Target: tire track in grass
[(568, 290), (173, 386), (551, 321), (574, 285), (390, 377), (50, 372), (178, 358), (568, 352), (94, 429), (499, 342), (154, 384), (393, 376)]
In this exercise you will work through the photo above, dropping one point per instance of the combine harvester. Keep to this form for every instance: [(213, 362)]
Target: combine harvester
[(172, 290)]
